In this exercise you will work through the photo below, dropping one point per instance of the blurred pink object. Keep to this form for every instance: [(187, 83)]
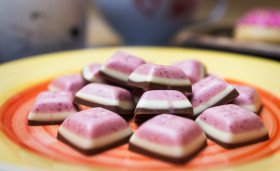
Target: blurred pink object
[(262, 17), (259, 25)]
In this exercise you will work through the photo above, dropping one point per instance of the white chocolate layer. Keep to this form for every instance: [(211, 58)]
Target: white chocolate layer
[(127, 105), (53, 88), (228, 137), (166, 81), (172, 151), (115, 74), (202, 73), (55, 116), (89, 76), (200, 108), (163, 104), (252, 108), (85, 143), (257, 33)]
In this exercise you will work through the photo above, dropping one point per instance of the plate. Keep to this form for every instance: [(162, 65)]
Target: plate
[(36, 147)]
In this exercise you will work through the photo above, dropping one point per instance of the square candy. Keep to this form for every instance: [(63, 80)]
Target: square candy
[(169, 138), (51, 108), (119, 67), (194, 69), (159, 77), (211, 91), (248, 98), (71, 82), (232, 126), (91, 73), (154, 102), (113, 98), (94, 130)]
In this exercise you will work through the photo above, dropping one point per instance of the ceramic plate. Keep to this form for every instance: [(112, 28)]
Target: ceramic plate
[(26, 147)]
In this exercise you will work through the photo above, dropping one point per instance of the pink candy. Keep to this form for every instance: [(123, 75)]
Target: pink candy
[(71, 82), (231, 118), (91, 73), (94, 123), (194, 69), (124, 62), (262, 17), (107, 91), (169, 130), (161, 71), (48, 102), (206, 89), (163, 95)]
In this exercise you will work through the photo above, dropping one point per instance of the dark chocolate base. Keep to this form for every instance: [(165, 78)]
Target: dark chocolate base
[(93, 151), (184, 111), (189, 96), (154, 86), (42, 123), (113, 80), (103, 81), (236, 145), (128, 117), (260, 110), (115, 109), (180, 161), (142, 114), (227, 99)]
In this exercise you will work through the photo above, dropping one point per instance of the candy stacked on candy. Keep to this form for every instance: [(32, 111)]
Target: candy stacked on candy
[(110, 97), (163, 100), (118, 68), (194, 69), (91, 73), (159, 77)]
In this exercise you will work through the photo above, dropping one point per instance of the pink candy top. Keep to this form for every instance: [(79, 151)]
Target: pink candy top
[(94, 123), (246, 95), (124, 62), (161, 71), (167, 129), (205, 89), (72, 82), (262, 17), (94, 69), (163, 95), (53, 101), (192, 69), (231, 118), (107, 91)]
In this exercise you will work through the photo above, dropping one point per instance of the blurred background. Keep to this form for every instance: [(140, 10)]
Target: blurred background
[(30, 27), (100, 33)]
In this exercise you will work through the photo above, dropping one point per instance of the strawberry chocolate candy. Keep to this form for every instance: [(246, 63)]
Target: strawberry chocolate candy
[(94, 130)]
